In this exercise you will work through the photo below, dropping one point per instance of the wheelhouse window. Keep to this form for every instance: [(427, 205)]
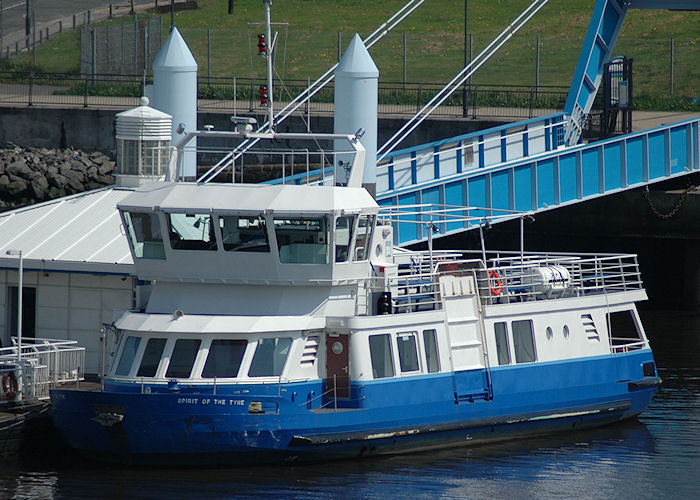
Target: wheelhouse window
[(131, 345), (431, 352), (380, 353), (364, 236), (302, 240), (151, 357), (270, 356), (182, 358), (343, 237), (224, 359), (145, 235), (408, 352), (523, 341), (244, 234), (191, 231), (502, 348)]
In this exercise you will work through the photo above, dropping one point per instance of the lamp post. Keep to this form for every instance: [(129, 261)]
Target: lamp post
[(19, 303)]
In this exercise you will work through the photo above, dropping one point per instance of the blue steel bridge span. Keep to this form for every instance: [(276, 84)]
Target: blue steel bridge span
[(539, 164), (526, 167)]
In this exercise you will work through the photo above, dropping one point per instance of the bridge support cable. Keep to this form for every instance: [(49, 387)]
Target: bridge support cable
[(309, 92), (461, 77)]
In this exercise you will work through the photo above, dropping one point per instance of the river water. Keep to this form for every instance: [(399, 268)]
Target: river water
[(656, 456)]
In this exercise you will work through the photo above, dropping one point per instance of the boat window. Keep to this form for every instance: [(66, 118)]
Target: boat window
[(408, 352), (623, 328), (128, 354), (269, 358), (380, 353), (191, 232), (224, 358), (182, 359), (244, 234), (502, 349), (146, 237), (523, 341), (343, 237), (151, 357), (302, 240), (431, 352), (364, 236)]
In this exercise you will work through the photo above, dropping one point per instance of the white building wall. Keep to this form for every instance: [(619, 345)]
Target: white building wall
[(72, 306)]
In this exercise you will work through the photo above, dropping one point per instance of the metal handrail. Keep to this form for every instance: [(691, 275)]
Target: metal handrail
[(44, 363)]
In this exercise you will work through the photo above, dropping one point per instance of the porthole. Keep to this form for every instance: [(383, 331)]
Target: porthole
[(549, 333), (378, 250), (566, 331), (337, 347)]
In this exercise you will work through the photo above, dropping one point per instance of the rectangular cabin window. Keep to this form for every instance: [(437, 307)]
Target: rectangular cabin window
[(364, 237), (343, 237), (502, 347), (224, 359), (302, 240), (380, 353), (191, 232), (131, 345), (523, 341), (182, 358), (244, 234), (151, 358), (145, 235), (270, 356), (408, 352), (432, 359)]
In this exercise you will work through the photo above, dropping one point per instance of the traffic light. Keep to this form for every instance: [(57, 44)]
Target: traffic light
[(262, 45), (263, 95)]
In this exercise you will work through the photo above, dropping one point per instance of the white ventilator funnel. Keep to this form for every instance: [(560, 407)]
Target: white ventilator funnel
[(175, 92), (356, 91)]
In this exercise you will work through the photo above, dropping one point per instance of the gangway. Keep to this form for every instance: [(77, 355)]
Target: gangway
[(552, 177)]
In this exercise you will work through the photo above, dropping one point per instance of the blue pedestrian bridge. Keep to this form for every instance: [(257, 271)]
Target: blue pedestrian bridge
[(524, 167)]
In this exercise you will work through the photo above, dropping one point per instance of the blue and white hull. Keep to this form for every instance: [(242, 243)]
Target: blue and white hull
[(196, 427)]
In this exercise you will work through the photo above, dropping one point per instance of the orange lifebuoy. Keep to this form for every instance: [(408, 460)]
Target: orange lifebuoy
[(496, 285), (9, 385)]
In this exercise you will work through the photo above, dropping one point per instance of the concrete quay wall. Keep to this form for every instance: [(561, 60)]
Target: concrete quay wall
[(94, 128)]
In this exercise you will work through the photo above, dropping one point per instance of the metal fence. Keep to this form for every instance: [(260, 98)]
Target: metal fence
[(15, 43), (125, 49), (44, 363), (241, 95)]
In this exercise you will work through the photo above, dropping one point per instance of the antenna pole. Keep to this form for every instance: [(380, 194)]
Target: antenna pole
[(268, 56)]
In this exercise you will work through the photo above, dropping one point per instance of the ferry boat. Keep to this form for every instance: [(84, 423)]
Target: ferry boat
[(283, 325)]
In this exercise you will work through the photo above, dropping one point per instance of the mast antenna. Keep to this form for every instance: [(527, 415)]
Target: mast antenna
[(268, 59)]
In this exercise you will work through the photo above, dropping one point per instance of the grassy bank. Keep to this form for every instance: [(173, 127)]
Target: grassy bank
[(432, 39)]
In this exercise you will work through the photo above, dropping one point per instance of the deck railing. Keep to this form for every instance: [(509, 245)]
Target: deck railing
[(509, 277), (526, 277), (44, 364)]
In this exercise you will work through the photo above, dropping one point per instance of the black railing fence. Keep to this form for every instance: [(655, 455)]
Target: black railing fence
[(243, 95)]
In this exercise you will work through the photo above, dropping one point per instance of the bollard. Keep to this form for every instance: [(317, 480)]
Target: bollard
[(89, 16), (60, 26), (73, 21)]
